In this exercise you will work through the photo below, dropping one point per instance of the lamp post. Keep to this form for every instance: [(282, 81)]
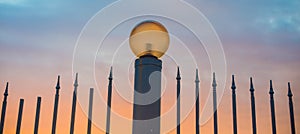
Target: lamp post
[(149, 41)]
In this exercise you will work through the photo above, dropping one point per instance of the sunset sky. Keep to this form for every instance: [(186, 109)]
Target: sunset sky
[(260, 39)]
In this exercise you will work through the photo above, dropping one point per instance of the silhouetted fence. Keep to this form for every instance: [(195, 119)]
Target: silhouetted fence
[(178, 78)]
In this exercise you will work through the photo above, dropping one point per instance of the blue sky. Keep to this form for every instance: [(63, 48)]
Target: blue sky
[(260, 38)]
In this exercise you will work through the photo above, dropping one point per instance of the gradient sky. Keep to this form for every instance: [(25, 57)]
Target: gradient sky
[(261, 39)]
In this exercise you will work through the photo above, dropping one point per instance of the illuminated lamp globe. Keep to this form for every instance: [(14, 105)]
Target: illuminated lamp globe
[(149, 38)]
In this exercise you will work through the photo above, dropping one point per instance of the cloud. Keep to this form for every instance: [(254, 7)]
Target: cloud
[(279, 21)]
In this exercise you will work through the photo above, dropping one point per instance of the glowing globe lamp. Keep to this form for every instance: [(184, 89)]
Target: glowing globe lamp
[(149, 38)]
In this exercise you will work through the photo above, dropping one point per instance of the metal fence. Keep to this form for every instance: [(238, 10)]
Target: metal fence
[(178, 78)]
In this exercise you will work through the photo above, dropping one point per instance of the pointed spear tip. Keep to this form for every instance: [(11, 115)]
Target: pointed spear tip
[(76, 77), (271, 88), (58, 82), (271, 84), (76, 80), (110, 73), (178, 73), (7, 83), (214, 76), (251, 85), (6, 89), (290, 94), (233, 83), (197, 76), (58, 79), (214, 83)]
